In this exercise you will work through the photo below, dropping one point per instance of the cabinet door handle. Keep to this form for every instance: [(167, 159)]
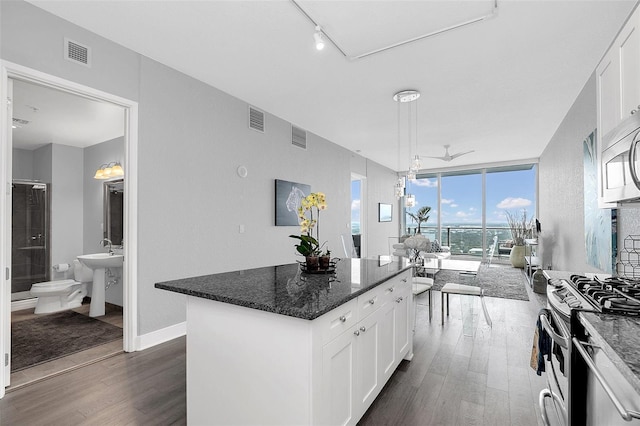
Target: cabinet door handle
[(372, 301), (399, 299), (343, 319), (404, 280), (363, 329), (357, 332)]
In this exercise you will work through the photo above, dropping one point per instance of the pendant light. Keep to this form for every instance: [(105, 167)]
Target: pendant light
[(406, 100)]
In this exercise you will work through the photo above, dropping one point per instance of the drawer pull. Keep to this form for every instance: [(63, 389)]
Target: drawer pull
[(357, 332), (363, 329), (372, 301), (343, 319), (404, 280), (633, 111), (390, 289), (399, 299)]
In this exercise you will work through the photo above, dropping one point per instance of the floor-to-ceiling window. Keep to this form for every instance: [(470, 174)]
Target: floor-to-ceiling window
[(468, 207)]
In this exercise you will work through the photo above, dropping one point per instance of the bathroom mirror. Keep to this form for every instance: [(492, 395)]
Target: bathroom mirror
[(114, 210)]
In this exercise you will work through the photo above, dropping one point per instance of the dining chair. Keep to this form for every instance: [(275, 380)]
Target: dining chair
[(463, 290)]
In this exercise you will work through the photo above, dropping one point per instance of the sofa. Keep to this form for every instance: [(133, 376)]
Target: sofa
[(427, 248)]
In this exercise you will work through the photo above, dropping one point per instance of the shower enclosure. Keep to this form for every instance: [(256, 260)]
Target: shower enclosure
[(30, 237)]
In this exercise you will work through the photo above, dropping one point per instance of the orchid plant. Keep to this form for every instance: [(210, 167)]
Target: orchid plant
[(308, 218)]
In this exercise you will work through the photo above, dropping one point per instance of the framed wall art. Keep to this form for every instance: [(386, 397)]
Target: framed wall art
[(288, 196)]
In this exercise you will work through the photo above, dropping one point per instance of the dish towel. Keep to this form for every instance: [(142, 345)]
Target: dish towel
[(541, 345)]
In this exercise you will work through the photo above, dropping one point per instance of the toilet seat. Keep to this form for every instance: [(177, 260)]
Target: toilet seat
[(53, 285)]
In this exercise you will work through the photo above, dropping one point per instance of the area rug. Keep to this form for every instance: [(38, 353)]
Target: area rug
[(53, 336), (506, 282)]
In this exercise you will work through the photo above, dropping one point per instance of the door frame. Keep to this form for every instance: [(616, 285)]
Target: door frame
[(9, 70)]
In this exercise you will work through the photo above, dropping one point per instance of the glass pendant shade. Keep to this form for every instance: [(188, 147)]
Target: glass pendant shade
[(410, 200), (411, 175)]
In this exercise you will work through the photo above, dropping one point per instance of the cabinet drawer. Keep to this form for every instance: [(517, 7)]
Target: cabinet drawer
[(334, 323), (396, 285), (370, 301)]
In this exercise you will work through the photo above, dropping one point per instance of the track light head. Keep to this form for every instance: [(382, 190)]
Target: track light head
[(319, 38)]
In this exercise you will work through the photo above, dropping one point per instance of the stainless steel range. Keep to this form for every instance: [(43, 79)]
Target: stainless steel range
[(567, 295)]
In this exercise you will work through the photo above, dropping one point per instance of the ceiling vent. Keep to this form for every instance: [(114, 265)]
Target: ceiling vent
[(19, 122), (298, 137), (256, 119), (76, 52)]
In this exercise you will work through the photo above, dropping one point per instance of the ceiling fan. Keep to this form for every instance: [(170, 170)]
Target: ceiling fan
[(447, 156)]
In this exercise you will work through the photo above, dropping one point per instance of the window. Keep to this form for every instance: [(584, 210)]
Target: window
[(467, 207)]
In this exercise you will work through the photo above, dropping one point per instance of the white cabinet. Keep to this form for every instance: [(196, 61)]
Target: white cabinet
[(358, 362), (618, 86), (618, 77)]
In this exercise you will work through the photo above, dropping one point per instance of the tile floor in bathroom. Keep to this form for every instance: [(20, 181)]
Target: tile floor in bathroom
[(113, 315)]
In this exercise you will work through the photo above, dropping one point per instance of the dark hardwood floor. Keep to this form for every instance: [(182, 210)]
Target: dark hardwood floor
[(453, 379)]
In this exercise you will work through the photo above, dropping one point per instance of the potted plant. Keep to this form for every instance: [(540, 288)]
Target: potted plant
[(521, 228), (308, 218), (422, 215)]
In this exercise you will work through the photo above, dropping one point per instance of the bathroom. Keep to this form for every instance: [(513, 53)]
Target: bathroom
[(60, 212)]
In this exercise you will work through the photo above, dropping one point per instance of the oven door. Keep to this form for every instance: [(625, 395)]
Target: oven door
[(552, 400)]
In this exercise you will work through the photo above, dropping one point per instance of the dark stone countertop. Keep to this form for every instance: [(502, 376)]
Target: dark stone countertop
[(285, 290), (619, 337)]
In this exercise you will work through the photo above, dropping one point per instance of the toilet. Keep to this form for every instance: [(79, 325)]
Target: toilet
[(54, 296)]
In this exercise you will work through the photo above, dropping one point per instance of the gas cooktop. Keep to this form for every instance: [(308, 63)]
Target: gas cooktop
[(609, 295)]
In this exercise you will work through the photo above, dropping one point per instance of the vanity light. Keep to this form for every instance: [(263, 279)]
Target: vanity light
[(110, 170)]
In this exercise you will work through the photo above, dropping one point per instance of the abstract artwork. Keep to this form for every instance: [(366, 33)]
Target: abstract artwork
[(597, 222), (288, 196)]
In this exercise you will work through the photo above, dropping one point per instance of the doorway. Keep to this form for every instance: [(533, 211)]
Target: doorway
[(14, 73)]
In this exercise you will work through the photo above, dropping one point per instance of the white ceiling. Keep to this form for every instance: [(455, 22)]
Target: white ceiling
[(500, 87), (58, 117)]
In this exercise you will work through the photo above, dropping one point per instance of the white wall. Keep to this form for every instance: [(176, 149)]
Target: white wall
[(192, 137), (561, 193)]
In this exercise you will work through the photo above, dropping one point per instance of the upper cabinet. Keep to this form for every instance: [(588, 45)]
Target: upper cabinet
[(618, 78), (618, 88)]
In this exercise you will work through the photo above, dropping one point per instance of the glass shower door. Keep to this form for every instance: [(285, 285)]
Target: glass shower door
[(30, 237)]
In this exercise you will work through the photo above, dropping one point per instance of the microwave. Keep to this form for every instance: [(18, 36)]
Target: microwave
[(620, 164)]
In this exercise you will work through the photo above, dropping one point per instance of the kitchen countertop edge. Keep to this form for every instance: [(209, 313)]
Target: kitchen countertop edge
[(173, 287)]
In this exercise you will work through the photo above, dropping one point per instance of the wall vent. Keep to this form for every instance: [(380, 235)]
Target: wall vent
[(298, 137), (256, 119), (77, 53), (20, 122)]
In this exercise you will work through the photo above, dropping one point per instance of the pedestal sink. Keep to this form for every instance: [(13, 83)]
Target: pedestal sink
[(99, 262)]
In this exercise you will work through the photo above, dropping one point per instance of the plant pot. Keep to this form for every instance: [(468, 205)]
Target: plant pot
[(324, 262), (312, 263), (517, 256)]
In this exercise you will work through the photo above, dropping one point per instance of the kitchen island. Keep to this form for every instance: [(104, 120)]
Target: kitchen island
[(275, 345)]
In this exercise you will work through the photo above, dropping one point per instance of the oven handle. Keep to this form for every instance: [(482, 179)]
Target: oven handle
[(560, 340), (632, 160), (547, 393), (627, 415)]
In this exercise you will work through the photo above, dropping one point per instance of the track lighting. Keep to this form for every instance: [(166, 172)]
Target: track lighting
[(319, 38)]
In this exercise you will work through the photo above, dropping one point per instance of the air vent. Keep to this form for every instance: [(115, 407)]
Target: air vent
[(256, 119), (298, 137), (20, 122), (77, 53)]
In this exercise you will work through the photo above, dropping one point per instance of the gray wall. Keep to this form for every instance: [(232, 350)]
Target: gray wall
[(561, 195), (22, 164), (92, 230), (192, 137)]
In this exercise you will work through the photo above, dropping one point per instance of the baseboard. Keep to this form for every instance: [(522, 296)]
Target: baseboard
[(160, 336), (19, 305)]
